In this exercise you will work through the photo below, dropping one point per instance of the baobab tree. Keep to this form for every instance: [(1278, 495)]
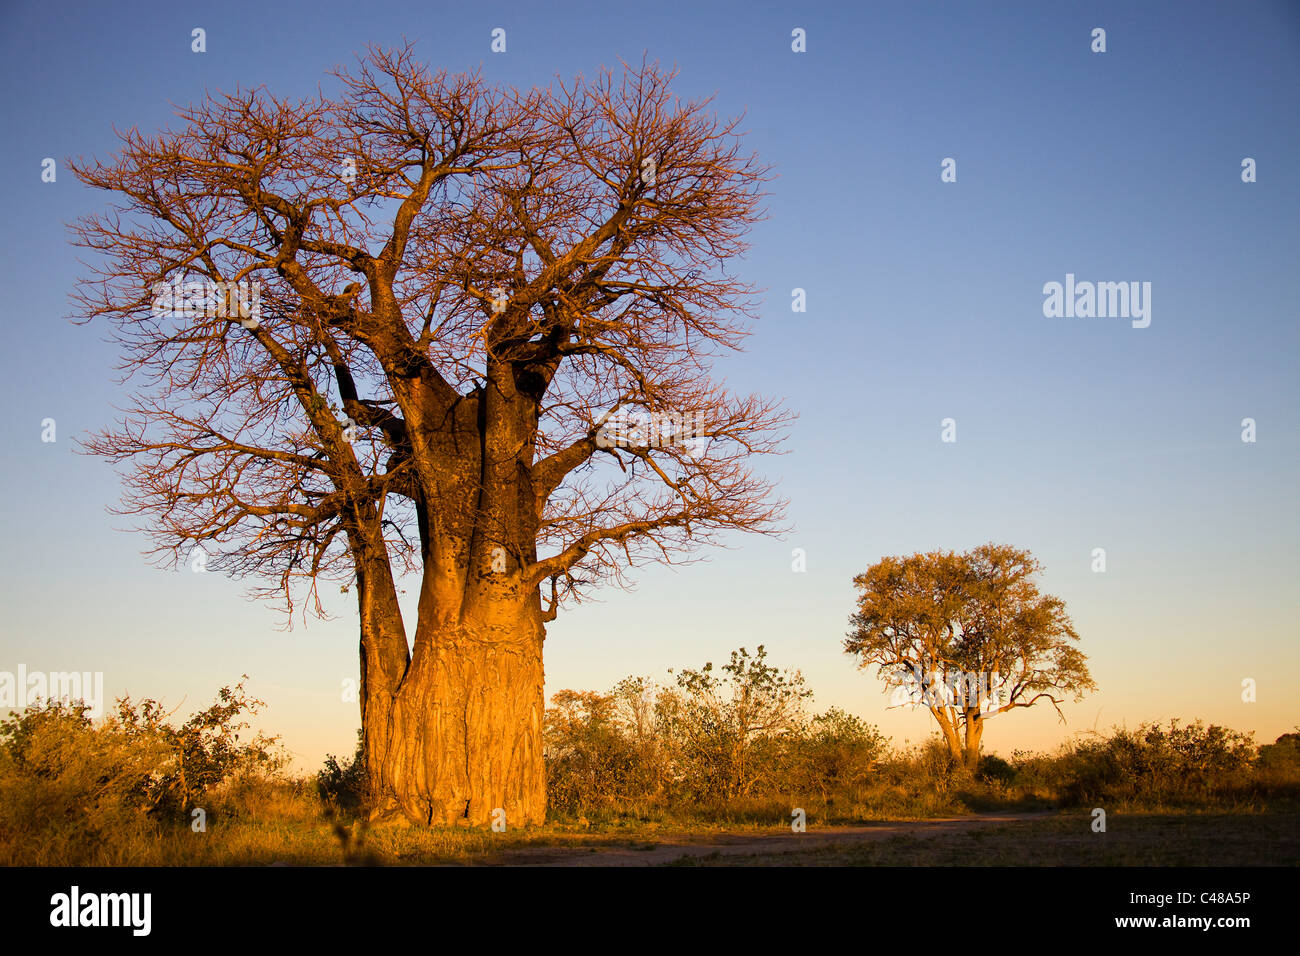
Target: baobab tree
[(425, 329), (967, 636)]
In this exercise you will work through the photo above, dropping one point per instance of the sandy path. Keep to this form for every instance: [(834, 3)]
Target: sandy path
[(742, 844)]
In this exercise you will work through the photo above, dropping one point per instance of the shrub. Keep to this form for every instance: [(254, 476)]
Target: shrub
[(590, 762), (204, 751), (714, 743), (74, 792), (729, 733), (835, 752), (343, 786), (1155, 763), (1281, 755), (994, 769)]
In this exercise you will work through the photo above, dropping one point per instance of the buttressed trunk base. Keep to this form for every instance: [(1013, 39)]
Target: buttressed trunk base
[(461, 741)]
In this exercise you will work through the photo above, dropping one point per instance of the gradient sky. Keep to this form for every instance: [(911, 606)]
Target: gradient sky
[(924, 302)]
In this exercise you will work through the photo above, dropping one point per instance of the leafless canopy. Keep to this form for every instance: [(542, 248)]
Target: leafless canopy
[(457, 283)]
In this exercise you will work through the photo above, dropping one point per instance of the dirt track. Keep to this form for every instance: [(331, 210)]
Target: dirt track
[(743, 844)]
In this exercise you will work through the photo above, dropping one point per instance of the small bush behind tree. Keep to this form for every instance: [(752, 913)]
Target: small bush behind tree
[(342, 784)]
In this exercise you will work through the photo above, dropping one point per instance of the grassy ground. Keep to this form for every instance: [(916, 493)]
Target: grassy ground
[(1046, 839), (62, 819)]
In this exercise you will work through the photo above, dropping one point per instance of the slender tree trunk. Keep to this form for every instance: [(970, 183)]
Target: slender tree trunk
[(384, 662), (949, 729), (974, 731)]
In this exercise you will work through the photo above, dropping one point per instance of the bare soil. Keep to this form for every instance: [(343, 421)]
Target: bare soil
[(686, 847)]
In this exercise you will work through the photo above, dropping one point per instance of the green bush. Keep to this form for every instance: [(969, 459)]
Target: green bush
[(711, 744), (1155, 764), (204, 751), (994, 769), (592, 763), (835, 752), (74, 792), (342, 786), (1281, 755)]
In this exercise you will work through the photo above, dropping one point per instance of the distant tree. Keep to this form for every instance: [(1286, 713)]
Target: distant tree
[(968, 636)]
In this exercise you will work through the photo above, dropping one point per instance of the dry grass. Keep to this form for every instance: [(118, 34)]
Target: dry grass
[(263, 822), (76, 795)]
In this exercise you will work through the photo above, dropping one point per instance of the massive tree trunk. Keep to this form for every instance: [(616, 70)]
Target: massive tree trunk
[(465, 731), (459, 735), (453, 730)]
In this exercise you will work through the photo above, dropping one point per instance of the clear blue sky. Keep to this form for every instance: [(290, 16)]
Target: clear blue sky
[(924, 302)]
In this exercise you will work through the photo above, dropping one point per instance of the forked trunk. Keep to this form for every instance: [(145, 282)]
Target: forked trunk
[(457, 732), (948, 727)]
